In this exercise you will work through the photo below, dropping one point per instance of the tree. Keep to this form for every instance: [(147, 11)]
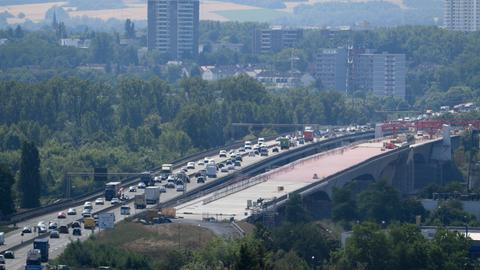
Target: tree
[(379, 202), (344, 207), (102, 48), (29, 182), (6, 200), (294, 210), (129, 29)]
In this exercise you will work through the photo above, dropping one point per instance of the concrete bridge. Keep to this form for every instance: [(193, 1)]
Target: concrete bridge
[(408, 168)]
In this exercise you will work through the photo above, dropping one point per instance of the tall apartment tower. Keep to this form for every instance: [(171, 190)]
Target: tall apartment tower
[(331, 68), (383, 74), (275, 39), (173, 27), (462, 15)]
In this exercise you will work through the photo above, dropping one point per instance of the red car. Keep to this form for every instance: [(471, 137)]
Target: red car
[(61, 215)]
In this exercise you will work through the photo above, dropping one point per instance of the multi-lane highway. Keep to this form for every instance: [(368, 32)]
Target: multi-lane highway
[(14, 238)]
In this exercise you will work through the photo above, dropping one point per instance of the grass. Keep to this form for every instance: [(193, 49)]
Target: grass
[(152, 240), (254, 15)]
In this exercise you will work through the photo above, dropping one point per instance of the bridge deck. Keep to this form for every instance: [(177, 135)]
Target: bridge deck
[(290, 177)]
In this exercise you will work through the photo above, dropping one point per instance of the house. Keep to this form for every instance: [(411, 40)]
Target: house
[(214, 73), (3, 41)]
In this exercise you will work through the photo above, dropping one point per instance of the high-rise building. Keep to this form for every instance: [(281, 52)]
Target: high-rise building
[(331, 68), (275, 39), (383, 74), (462, 15), (173, 27)]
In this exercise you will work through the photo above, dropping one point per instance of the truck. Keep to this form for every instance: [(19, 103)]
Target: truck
[(165, 171), (89, 223), (169, 212), (112, 190), (152, 195), (42, 245), (34, 259), (2, 238), (308, 134), (147, 179), (211, 170), (284, 143), (139, 201)]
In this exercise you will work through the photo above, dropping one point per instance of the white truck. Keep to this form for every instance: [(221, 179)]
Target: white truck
[(211, 169), (166, 170), (2, 238), (152, 195)]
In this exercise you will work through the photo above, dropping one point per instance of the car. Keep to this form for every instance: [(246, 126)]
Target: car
[(76, 224), (239, 158), (224, 169), (191, 165), (77, 232), (71, 212), (157, 179), (88, 205), (2, 260), (170, 185), (231, 167), (63, 229), (222, 153), (141, 185), (200, 180), (52, 226), (100, 201), (171, 178), (200, 163), (9, 254), (41, 224), (62, 215), (163, 189), (275, 150), (42, 229), (241, 149), (115, 201), (180, 188), (54, 234), (184, 169), (27, 230), (237, 163), (134, 188), (206, 160), (87, 213)]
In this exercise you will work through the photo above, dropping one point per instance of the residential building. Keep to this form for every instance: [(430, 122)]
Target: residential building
[(284, 80), (331, 68), (383, 74), (214, 73), (75, 42), (173, 27), (462, 15), (275, 39)]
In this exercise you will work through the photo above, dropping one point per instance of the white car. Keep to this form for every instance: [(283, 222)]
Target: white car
[(41, 224), (87, 212), (71, 211), (200, 163), (141, 185), (115, 201), (132, 189), (100, 201), (88, 205), (191, 165), (222, 153)]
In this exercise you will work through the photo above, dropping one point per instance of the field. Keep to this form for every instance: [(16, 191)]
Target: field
[(137, 10), (152, 240)]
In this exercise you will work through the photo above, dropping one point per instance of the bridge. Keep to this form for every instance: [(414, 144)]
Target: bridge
[(408, 168)]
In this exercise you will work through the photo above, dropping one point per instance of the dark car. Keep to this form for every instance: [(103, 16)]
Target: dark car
[(63, 229), (77, 232), (275, 150), (200, 179), (9, 254), (237, 163), (76, 224)]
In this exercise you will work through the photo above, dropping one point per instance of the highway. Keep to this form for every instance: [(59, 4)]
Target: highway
[(57, 245)]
